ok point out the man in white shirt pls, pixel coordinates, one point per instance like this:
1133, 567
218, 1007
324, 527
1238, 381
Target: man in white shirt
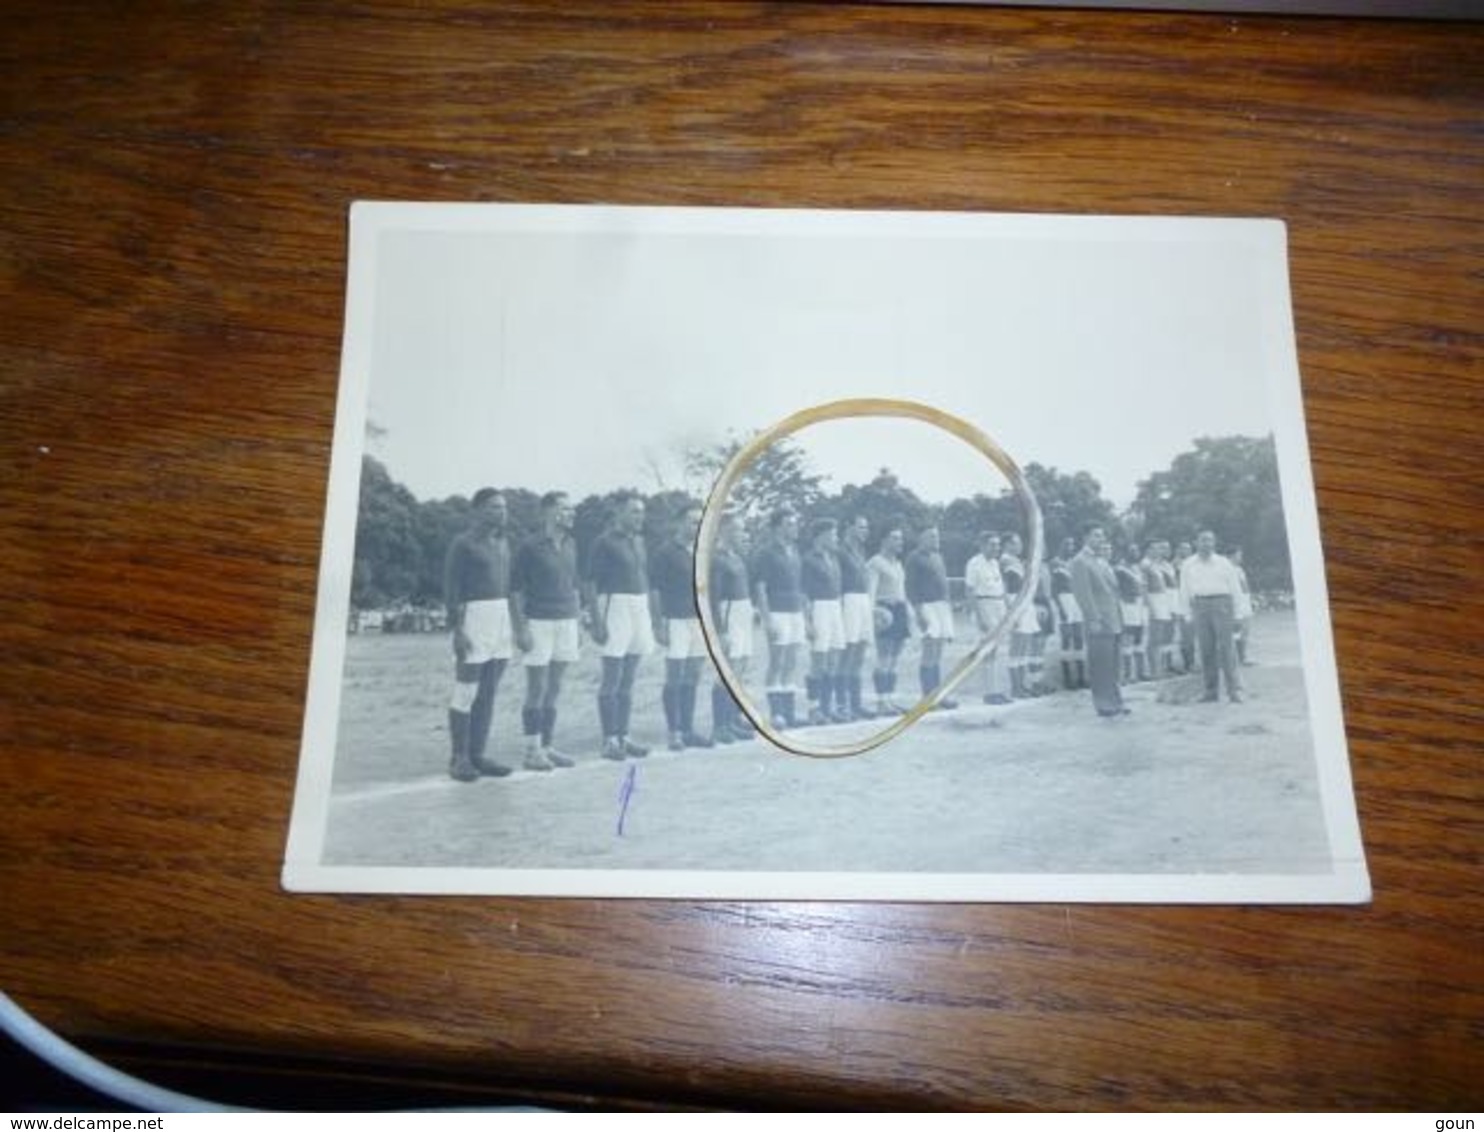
986, 588
1209, 583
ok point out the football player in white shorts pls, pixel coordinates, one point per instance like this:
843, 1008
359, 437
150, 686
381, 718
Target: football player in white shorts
544, 603
620, 621
672, 579
476, 593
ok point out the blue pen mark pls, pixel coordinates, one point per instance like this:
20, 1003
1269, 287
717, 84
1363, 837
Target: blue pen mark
625, 794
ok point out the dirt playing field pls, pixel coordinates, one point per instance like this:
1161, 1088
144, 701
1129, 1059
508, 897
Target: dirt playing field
1039, 786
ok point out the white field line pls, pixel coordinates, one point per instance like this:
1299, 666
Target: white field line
442, 782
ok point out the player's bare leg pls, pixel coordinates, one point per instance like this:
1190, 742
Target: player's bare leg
530, 717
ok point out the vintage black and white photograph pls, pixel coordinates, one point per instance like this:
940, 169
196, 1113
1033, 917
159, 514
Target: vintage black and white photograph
511, 690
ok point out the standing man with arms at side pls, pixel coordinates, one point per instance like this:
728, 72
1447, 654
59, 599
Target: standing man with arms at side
779, 596
986, 589
544, 603
823, 624
732, 613
1209, 583
927, 594
889, 600
621, 622
1096, 589
674, 596
476, 593
857, 612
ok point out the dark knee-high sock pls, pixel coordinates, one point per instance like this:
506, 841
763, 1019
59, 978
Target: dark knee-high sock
458, 733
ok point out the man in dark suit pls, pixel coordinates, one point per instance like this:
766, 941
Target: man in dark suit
1096, 589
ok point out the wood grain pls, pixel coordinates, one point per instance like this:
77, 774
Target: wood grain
176, 182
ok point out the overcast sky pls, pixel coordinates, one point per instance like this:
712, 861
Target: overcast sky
586, 350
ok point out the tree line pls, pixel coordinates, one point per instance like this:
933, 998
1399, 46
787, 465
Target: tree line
1227, 484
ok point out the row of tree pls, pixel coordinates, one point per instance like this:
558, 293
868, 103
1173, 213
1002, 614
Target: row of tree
1227, 484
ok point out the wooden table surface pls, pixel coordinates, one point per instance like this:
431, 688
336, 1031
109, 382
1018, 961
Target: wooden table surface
175, 190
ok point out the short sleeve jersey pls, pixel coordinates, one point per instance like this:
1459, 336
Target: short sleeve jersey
477, 569
820, 574
853, 578
545, 575
777, 570
927, 577
672, 574
618, 565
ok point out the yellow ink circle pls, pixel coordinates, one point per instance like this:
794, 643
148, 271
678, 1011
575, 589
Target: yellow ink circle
711, 515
